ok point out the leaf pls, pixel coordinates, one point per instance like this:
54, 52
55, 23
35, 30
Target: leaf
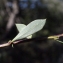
31, 28
29, 37
20, 26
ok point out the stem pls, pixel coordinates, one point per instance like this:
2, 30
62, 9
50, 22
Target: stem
55, 37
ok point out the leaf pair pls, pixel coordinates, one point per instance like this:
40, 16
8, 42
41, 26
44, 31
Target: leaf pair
31, 28
20, 27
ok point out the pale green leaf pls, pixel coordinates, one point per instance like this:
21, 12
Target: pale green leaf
20, 26
31, 28
29, 37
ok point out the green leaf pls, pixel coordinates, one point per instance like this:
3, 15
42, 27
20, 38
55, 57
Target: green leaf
20, 26
31, 28
29, 37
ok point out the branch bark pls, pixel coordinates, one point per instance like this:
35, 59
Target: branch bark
28, 40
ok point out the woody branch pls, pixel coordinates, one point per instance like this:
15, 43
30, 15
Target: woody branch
27, 40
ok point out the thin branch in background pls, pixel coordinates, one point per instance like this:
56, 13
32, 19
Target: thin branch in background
12, 16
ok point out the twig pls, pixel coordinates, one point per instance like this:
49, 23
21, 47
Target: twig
33, 39
55, 36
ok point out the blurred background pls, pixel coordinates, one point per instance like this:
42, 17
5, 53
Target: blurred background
25, 11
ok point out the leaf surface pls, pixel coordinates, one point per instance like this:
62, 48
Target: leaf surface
31, 28
20, 26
